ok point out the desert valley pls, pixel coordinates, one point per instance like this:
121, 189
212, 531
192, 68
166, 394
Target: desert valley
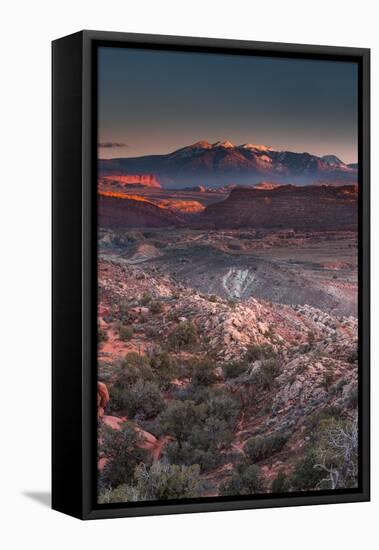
227, 315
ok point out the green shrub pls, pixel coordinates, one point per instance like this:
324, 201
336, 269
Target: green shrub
143, 399
328, 378
158, 482
260, 447
183, 336
257, 352
125, 332
314, 420
146, 299
223, 407
156, 307
281, 483
305, 475
134, 390
264, 376
180, 417
204, 430
203, 372
247, 480
353, 356
102, 335
234, 369
122, 452
151, 332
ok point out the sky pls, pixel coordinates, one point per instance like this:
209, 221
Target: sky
154, 102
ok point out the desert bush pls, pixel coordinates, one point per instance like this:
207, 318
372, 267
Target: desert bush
146, 299
223, 407
102, 335
264, 376
134, 389
352, 397
353, 356
257, 352
151, 332
123, 455
125, 332
143, 399
313, 421
247, 480
156, 307
180, 417
164, 367
183, 336
328, 378
258, 448
305, 475
188, 454
208, 431
160, 481
234, 369
203, 372
337, 453
202, 446
281, 483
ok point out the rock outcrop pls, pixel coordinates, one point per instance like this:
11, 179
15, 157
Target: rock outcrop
131, 180
322, 208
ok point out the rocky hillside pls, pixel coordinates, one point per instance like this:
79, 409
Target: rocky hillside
224, 398
120, 211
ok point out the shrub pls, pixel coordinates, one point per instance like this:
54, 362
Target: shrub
203, 372
247, 480
353, 356
327, 378
234, 369
203, 445
151, 332
125, 332
264, 376
102, 335
183, 336
258, 448
259, 351
224, 407
313, 421
180, 417
122, 453
207, 432
157, 482
281, 483
305, 475
164, 367
188, 454
143, 399
134, 389
156, 307
146, 298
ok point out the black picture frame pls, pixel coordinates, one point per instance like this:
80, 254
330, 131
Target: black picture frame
74, 153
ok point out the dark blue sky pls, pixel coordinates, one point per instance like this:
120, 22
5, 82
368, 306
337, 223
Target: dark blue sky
153, 102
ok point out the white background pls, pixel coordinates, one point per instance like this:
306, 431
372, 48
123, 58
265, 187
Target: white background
27, 29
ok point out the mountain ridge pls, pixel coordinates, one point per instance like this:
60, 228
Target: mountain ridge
222, 162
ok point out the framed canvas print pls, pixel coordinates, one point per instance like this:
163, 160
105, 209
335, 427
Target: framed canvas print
210, 275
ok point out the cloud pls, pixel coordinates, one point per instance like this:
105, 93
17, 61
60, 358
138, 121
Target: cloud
110, 145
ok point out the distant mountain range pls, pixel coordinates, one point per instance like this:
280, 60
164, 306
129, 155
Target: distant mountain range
223, 163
